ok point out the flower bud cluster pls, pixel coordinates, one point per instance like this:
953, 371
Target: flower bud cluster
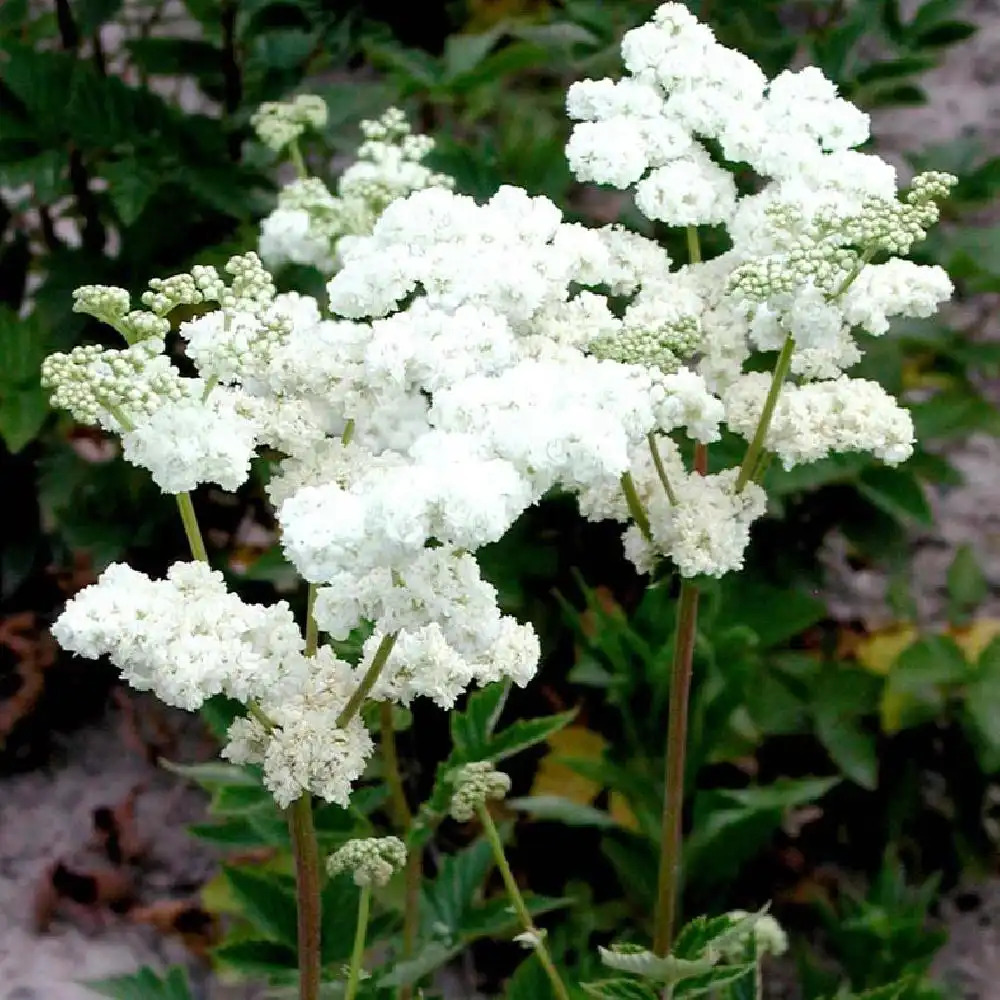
280, 123
111, 306
110, 388
664, 348
310, 220
372, 861
476, 783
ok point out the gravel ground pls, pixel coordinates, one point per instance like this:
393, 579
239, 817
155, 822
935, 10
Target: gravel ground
45, 815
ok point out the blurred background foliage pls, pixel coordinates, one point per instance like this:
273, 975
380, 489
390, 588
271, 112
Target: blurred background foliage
125, 153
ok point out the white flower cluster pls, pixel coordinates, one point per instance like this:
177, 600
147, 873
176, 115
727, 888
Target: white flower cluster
306, 745
482, 355
800, 244
817, 418
186, 638
310, 221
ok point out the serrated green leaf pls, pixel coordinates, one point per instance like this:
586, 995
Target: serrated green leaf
91, 14
620, 989
143, 985
667, 969
267, 901
451, 894
553, 808
774, 614
932, 660
525, 733
944, 33
897, 492
256, 957
45, 172
497, 918
850, 748
463, 53
954, 411
472, 727
23, 412
219, 713
529, 982
168, 56
340, 918
892, 69
905, 95
213, 774
713, 981
239, 800
235, 832
429, 958
967, 585
176, 985
130, 186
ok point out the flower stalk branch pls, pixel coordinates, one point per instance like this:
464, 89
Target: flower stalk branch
403, 819
305, 851
537, 937
362, 691
661, 471
753, 454
635, 507
191, 529
669, 876
358, 951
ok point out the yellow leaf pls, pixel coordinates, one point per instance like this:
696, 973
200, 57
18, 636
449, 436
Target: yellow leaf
217, 896
484, 14
973, 638
621, 812
555, 778
879, 650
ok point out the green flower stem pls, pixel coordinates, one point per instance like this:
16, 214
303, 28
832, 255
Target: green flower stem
390, 759
669, 877
312, 629
307, 895
295, 155
852, 275
752, 457
403, 818
694, 245
635, 506
660, 470
357, 699
412, 875
517, 900
345, 438
260, 715
191, 529
357, 953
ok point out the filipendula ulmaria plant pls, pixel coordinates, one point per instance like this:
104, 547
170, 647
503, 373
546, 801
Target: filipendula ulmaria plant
474, 358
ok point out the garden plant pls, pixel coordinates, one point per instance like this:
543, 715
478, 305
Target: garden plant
468, 361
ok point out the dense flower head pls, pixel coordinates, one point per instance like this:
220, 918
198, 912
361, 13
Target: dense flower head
306, 746
815, 419
186, 638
